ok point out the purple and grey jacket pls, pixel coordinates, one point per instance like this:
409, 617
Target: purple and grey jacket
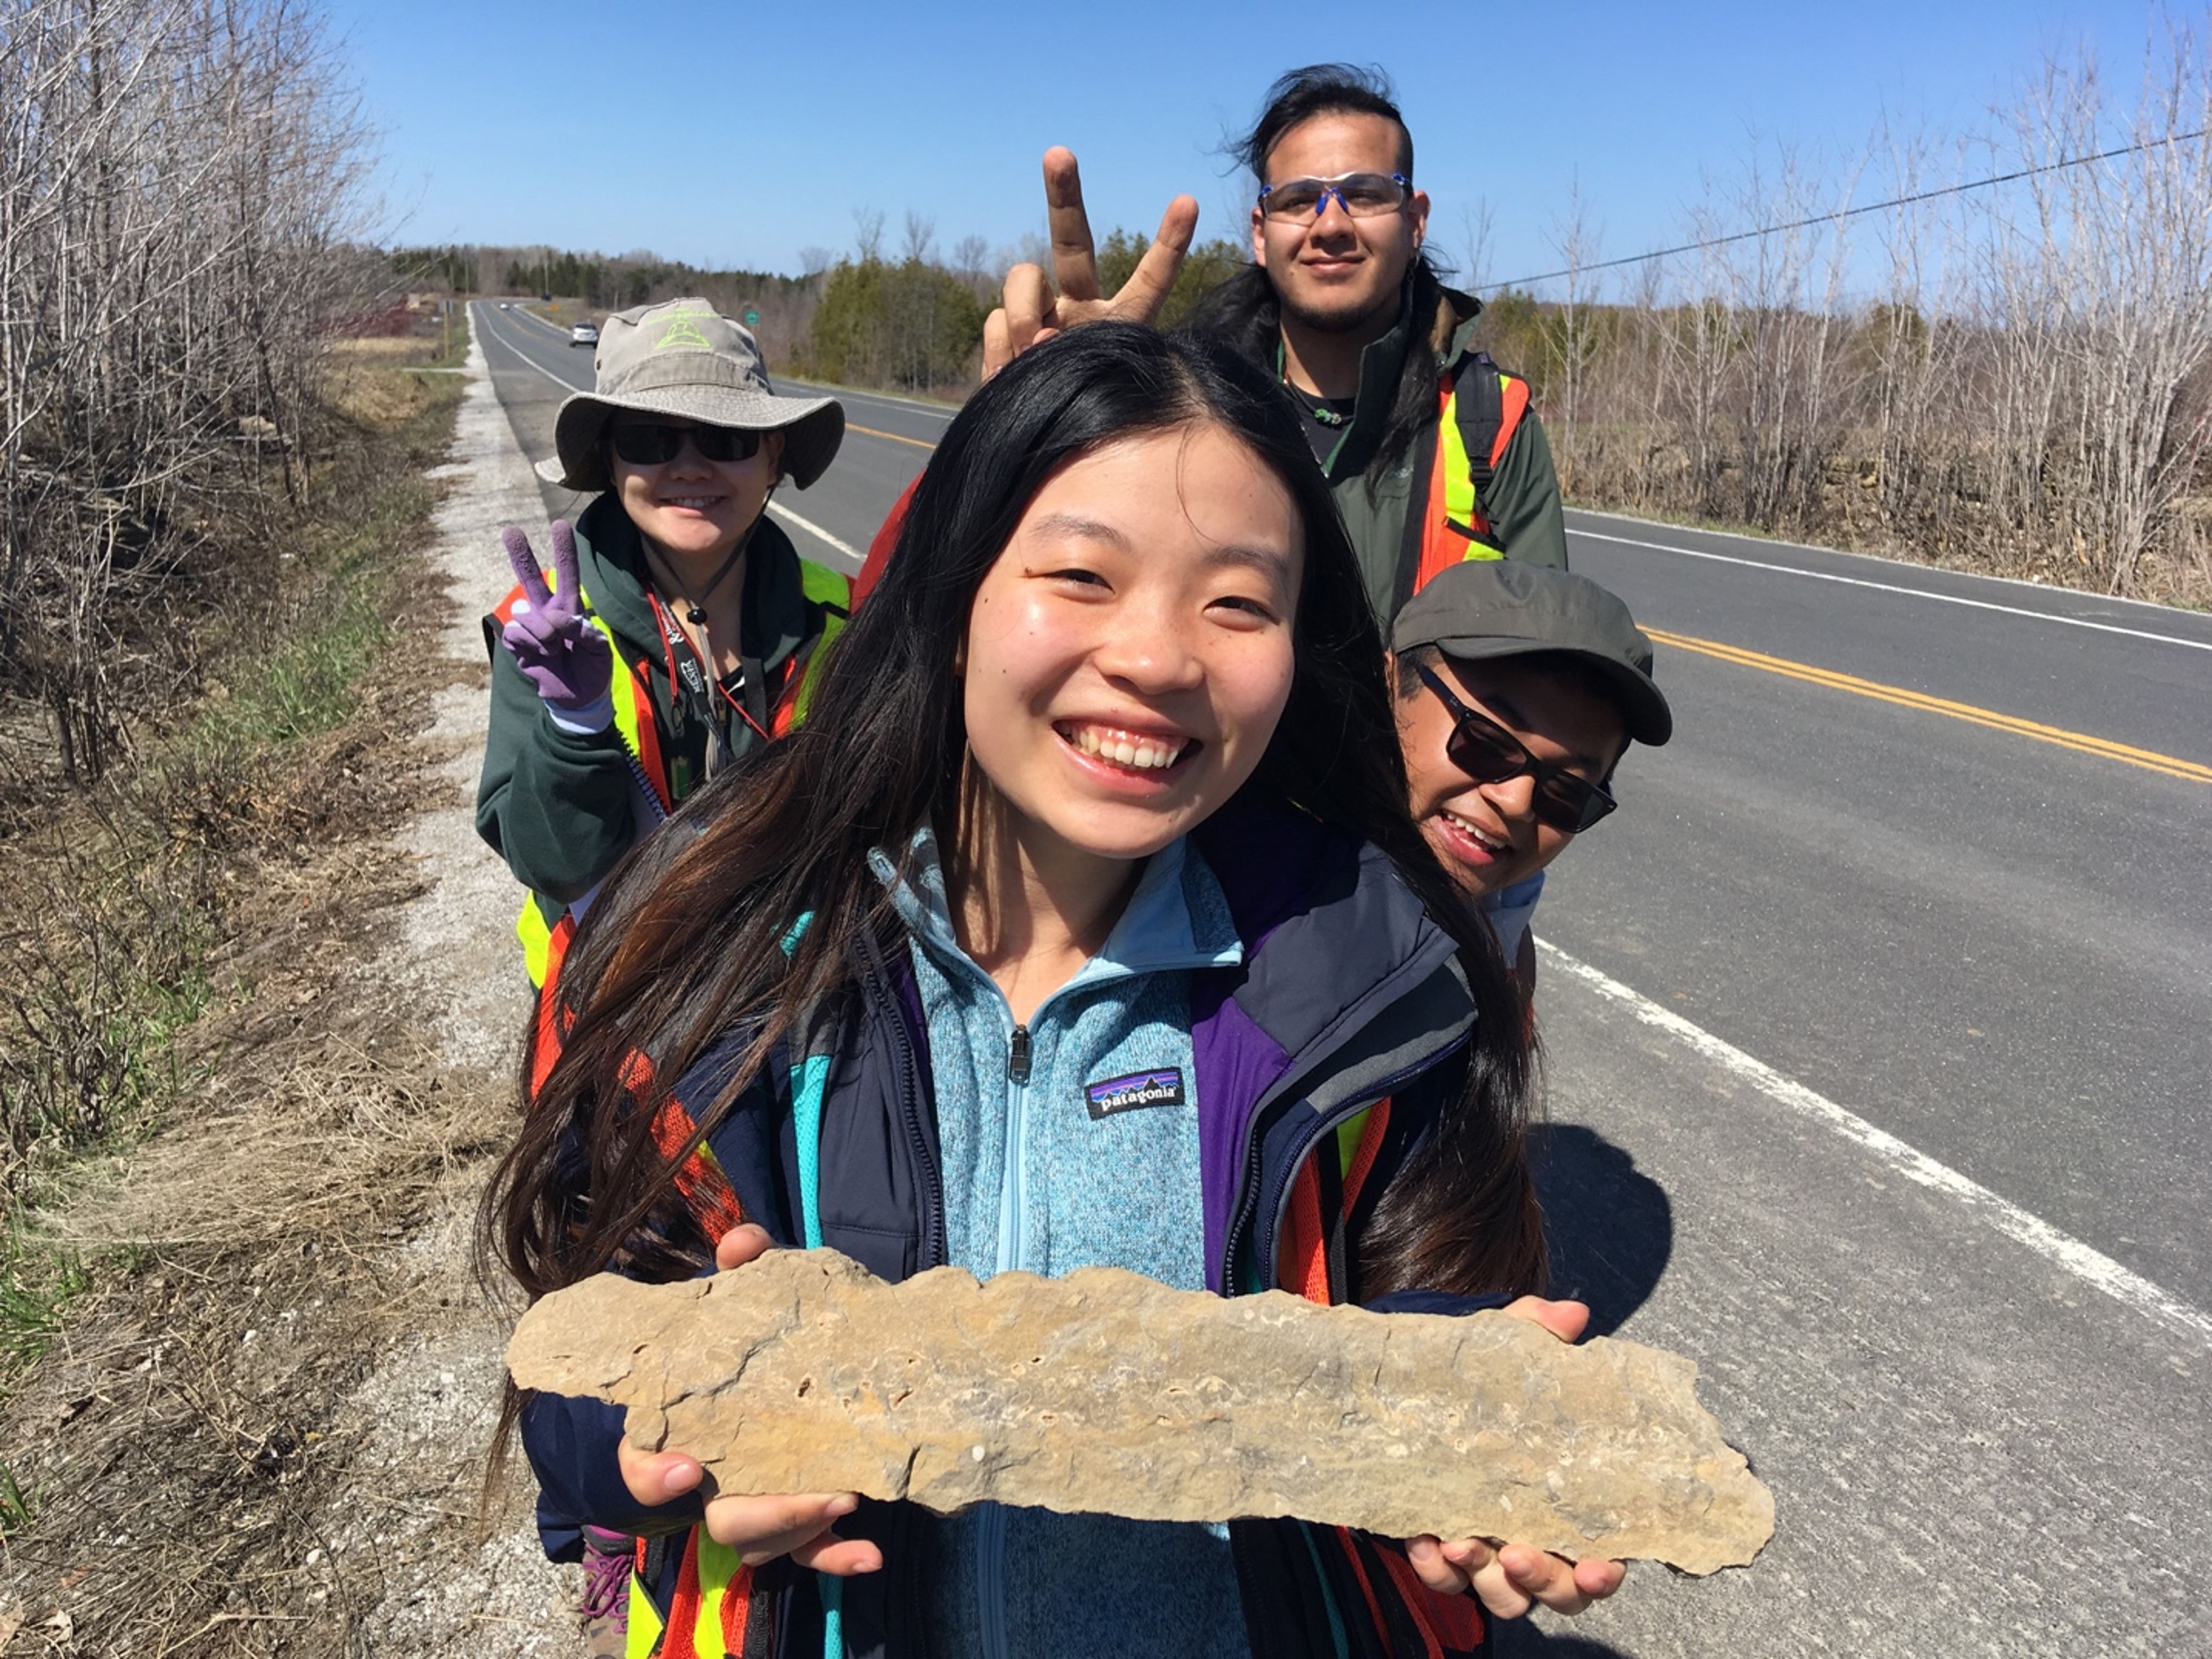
1348, 994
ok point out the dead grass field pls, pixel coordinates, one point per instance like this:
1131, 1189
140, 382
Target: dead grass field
221, 1452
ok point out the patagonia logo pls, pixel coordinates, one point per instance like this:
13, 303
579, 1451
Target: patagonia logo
1133, 1092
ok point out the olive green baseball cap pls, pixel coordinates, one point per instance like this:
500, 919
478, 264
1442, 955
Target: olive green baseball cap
1486, 608
682, 357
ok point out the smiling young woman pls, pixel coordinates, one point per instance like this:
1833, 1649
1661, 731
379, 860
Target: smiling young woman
1101, 786
679, 629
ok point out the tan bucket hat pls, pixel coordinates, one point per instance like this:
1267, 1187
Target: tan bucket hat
682, 357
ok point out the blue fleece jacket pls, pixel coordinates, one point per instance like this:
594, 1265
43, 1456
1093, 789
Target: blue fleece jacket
1068, 1142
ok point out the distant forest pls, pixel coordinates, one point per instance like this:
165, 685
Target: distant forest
907, 319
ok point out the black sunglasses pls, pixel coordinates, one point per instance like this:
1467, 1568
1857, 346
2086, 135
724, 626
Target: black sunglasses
1488, 753
650, 443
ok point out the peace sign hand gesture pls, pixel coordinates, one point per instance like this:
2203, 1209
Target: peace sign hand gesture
1031, 312
559, 649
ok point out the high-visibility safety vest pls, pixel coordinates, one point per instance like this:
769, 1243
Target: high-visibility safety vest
1479, 410
546, 930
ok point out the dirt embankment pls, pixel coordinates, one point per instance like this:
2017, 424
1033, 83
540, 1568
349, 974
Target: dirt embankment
264, 1432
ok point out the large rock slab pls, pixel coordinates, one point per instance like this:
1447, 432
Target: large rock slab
1106, 1391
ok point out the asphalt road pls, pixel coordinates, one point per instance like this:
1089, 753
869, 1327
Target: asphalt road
1878, 1025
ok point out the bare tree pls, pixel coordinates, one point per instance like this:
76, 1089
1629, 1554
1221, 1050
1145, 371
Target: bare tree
1572, 344
921, 238
1474, 226
868, 233
180, 190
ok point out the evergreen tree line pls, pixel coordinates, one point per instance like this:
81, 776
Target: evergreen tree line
909, 320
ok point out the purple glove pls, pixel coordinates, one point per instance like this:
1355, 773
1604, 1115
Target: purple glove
559, 649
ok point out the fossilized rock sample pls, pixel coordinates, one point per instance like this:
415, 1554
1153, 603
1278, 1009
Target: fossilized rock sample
1107, 1391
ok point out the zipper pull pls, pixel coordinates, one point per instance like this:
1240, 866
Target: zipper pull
1017, 1056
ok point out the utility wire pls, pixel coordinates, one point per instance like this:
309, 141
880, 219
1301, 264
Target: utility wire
1852, 213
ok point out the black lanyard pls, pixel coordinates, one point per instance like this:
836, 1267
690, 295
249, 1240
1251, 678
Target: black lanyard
689, 672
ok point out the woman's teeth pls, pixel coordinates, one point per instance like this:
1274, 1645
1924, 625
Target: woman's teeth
1482, 837
697, 503
1126, 748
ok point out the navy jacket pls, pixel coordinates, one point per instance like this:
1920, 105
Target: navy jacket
1348, 994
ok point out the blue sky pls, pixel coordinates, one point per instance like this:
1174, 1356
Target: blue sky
731, 134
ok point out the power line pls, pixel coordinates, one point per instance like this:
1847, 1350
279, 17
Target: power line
1852, 213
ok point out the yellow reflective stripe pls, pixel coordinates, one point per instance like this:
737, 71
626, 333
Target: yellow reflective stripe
1459, 475
824, 587
643, 1640
536, 937
629, 696
1459, 480
531, 927
831, 628
1347, 1141
717, 1564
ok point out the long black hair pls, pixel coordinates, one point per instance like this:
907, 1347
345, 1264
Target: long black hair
689, 940
1244, 312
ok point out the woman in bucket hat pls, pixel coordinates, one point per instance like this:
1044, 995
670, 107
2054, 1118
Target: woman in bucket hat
677, 631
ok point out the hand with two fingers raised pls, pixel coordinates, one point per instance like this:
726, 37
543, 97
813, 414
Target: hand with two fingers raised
1512, 1578
1031, 311
797, 1524
555, 644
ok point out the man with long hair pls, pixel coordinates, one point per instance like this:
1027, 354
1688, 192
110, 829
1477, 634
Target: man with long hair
1433, 453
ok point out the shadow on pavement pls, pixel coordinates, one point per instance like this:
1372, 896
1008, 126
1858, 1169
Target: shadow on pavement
1610, 1230
1512, 1638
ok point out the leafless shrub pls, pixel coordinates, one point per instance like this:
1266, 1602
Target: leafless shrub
2022, 380
178, 184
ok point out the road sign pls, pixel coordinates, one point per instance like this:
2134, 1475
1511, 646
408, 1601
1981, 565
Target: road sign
752, 317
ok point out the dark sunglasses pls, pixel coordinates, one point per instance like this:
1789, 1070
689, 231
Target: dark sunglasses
1488, 753
649, 443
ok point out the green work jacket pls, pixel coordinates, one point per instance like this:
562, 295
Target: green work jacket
1384, 519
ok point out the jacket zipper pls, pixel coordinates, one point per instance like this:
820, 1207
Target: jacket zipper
1248, 1185
990, 1519
1322, 1130
930, 1253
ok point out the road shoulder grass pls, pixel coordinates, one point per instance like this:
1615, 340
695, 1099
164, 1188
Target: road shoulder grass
217, 1220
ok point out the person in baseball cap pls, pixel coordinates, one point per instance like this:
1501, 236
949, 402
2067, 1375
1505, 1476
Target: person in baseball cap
1519, 690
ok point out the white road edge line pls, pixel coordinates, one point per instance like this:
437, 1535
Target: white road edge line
517, 351
2092, 1267
816, 531
1873, 561
1892, 588
938, 409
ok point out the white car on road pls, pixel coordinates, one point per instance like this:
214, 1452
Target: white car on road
583, 334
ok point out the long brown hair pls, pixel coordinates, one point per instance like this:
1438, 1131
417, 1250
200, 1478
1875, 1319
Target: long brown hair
697, 934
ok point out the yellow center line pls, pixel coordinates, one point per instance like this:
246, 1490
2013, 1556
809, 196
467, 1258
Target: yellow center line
2150, 760
895, 437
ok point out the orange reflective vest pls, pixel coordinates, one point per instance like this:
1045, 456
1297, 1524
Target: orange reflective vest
1480, 410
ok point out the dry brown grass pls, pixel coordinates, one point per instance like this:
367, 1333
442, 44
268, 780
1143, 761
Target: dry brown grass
189, 1439
203, 1462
